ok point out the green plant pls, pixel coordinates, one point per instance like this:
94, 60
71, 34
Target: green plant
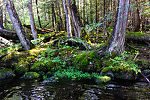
72, 73
121, 63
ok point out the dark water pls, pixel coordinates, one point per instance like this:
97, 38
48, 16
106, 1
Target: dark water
34, 90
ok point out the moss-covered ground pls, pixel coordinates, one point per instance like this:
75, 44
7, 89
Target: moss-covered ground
56, 57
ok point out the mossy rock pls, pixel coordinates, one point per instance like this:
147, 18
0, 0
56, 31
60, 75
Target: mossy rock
24, 64
11, 59
43, 65
87, 61
30, 76
21, 68
6, 74
128, 75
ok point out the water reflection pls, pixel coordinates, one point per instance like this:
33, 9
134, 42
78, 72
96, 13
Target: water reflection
34, 90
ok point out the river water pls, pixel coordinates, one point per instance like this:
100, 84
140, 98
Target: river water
65, 90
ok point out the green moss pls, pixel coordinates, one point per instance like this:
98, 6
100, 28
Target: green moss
137, 34
104, 79
43, 65
24, 64
86, 61
30, 75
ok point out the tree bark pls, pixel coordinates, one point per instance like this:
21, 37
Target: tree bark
91, 15
37, 10
17, 24
67, 19
116, 43
104, 6
34, 32
53, 16
60, 15
137, 18
1, 16
74, 18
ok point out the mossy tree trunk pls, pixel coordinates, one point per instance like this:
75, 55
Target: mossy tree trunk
117, 40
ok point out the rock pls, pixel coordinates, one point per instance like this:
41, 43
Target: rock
6, 74
30, 76
52, 79
129, 75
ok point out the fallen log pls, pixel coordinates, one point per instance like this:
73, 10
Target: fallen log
8, 34
5, 41
143, 38
39, 30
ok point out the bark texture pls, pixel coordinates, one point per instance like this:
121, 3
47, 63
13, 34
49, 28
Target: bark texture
34, 32
17, 24
116, 43
68, 23
74, 18
1, 16
37, 10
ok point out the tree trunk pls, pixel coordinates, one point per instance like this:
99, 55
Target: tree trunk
74, 18
104, 19
53, 16
60, 15
1, 16
23, 12
17, 24
137, 18
34, 32
116, 43
91, 15
67, 19
96, 19
37, 10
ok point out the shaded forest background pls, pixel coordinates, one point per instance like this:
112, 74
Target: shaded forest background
50, 14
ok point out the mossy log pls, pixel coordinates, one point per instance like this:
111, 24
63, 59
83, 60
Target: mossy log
48, 37
39, 30
78, 42
138, 37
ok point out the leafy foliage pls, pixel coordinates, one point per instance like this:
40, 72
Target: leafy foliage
121, 64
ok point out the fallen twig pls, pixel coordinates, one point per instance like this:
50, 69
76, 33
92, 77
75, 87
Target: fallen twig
145, 78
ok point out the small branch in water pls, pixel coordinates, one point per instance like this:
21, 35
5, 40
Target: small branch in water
145, 78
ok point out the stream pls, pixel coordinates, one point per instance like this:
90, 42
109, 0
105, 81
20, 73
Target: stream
40, 90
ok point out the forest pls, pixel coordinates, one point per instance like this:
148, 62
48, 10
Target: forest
74, 49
